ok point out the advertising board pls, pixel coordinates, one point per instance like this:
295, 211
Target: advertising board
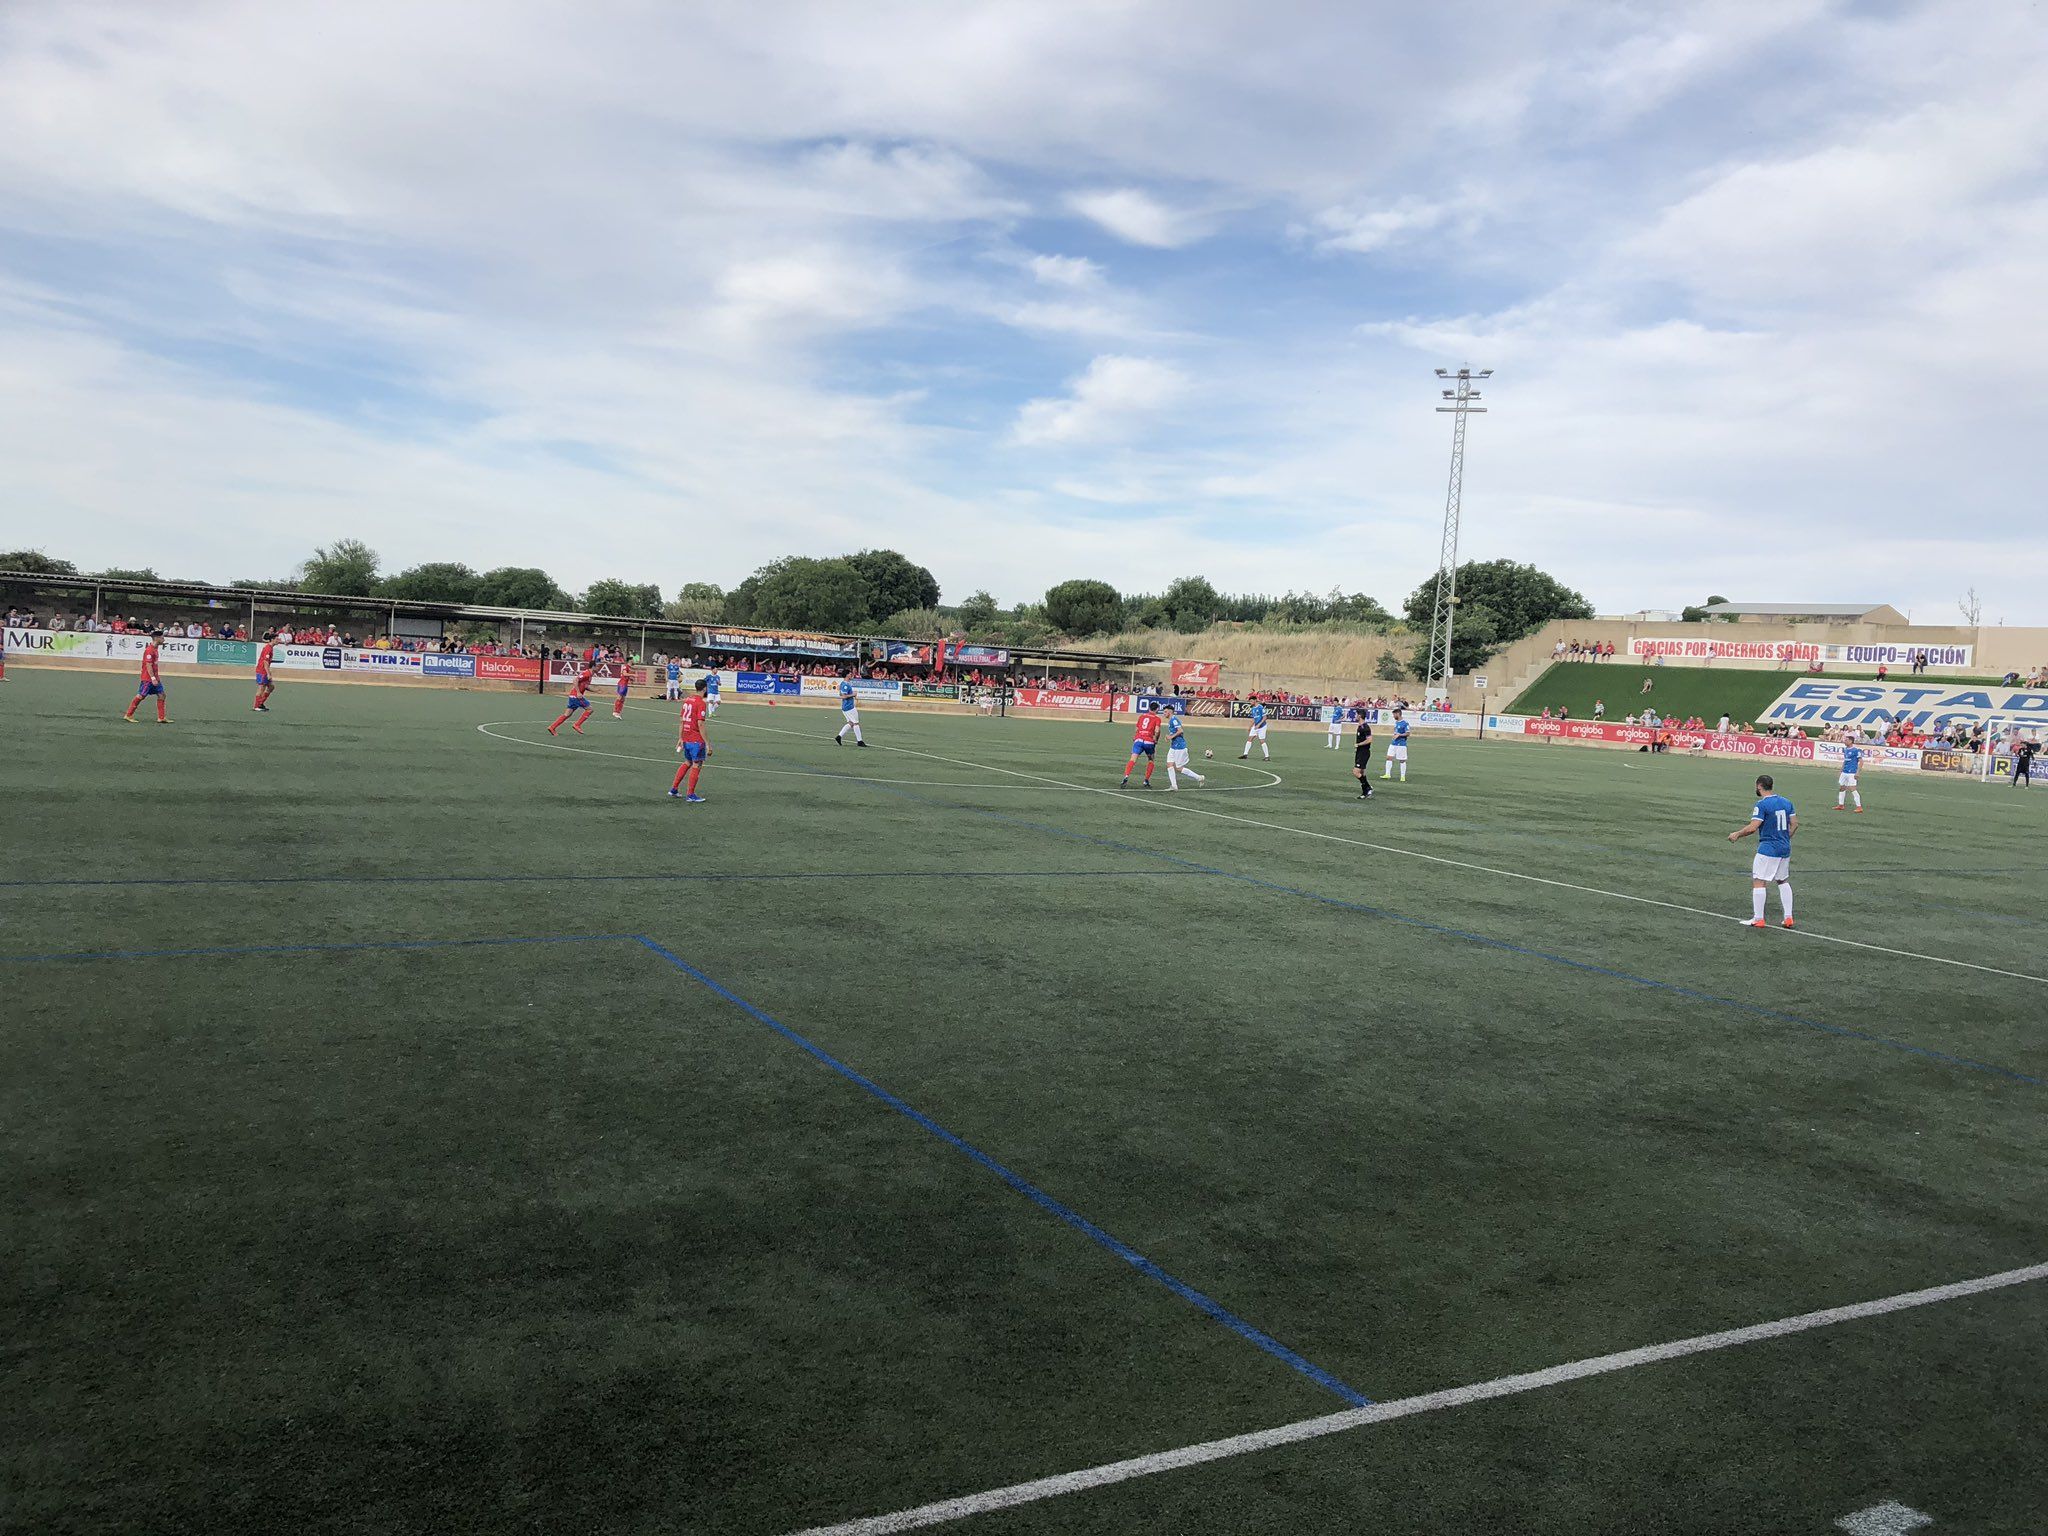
393, 663
437, 664
1688, 649
1816, 701
509, 669
1058, 698
764, 682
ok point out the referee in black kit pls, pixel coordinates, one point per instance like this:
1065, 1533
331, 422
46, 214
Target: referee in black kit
1361, 755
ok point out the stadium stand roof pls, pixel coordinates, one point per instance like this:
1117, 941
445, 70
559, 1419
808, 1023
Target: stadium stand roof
250, 601
1864, 613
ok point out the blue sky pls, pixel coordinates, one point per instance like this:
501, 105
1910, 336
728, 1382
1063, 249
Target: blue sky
1033, 290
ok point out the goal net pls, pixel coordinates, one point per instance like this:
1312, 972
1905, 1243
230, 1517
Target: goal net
2002, 739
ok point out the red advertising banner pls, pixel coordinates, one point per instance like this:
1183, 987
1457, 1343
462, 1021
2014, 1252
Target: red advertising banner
509, 669
1198, 674
1054, 698
1797, 748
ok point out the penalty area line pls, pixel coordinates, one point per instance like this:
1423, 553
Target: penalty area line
1103, 1476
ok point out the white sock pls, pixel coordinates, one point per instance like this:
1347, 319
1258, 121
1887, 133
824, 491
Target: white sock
1859, 798
856, 733
1840, 796
1756, 901
1266, 751
1387, 772
1171, 781
843, 730
1404, 773
1198, 778
1785, 898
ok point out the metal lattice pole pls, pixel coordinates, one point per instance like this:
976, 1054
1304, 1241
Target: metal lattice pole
1437, 682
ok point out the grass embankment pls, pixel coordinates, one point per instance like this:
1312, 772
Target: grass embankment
1708, 692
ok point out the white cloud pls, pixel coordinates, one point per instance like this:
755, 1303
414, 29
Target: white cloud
1139, 217
1110, 398
1066, 271
1361, 230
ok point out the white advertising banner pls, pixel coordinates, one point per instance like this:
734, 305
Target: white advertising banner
66, 643
1816, 701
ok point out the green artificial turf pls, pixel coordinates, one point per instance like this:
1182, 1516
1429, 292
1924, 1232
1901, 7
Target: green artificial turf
338, 1218
1709, 692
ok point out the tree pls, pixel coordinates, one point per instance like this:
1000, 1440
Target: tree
1390, 668
1191, 604
978, 612
345, 568
801, 593
894, 582
699, 602
520, 586
623, 599
1519, 598
36, 563
268, 584
129, 573
439, 581
1358, 608
915, 623
1475, 635
1698, 614
1083, 607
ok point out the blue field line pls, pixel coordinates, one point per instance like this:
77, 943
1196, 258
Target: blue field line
314, 949
1676, 989
852, 874
1023, 1186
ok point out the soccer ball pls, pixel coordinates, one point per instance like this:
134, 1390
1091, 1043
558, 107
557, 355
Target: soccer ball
1207, 752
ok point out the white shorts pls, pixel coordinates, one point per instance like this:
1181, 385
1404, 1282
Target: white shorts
1397, 754
1176, 757
1846, 780
711, 703
849, 717
1256, 733
1765, 867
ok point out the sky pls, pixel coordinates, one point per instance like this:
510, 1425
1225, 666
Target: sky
1031, 290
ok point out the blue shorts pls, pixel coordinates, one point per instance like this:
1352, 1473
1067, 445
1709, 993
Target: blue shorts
146, 689
1142, 748
262, 679
578, 702
622, 688
693, 751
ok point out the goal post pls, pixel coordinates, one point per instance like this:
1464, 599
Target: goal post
2001, 736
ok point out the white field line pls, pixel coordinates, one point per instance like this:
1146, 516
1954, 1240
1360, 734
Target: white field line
1379, 1413
1175, 804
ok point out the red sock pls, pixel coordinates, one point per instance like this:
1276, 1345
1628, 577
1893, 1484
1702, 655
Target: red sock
131, 711
1130, 768
678, 784
565, 714
159, 708
1148, 773
695, 769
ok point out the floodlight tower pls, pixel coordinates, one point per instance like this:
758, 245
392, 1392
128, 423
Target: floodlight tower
1438, 680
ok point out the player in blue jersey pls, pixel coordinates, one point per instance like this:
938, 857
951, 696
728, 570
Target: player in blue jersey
1852, 759
1256, 733
849, 715
1177, 752
711, 694
675, 680
1337, 716
1397, 750
1773, 821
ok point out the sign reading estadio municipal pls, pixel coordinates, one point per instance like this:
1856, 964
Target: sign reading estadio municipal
1823, 701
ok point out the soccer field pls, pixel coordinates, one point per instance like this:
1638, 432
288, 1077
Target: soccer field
412, 1123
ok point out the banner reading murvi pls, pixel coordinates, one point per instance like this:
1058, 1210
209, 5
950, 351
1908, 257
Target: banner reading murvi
1818, 701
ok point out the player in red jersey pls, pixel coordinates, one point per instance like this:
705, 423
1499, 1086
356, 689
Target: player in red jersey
625, 682
152, 683
579, 699
264, 686
1144, 746
691, 743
